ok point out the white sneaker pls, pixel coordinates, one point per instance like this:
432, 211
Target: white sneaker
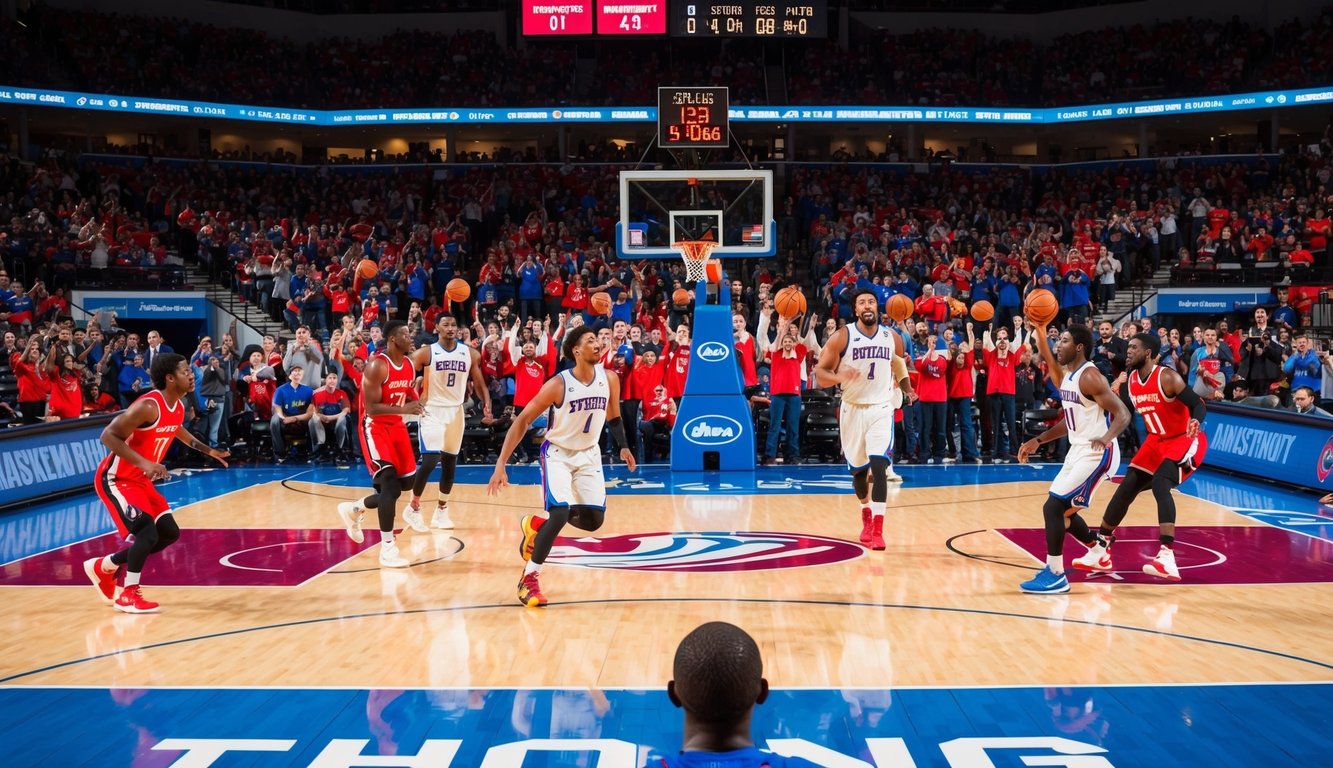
441, 518
413, 519
350, 512
892, 477
1163, 566
1097, 560
390, 557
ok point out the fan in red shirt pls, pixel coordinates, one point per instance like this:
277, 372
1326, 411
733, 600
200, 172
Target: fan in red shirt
961, 391
139, 438
745, 350
786, 364
933, 309
678, 363
659, 417
66, 391
34, 385
1173, 414
932, 389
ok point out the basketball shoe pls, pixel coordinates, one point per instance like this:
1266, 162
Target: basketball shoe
865, 525
105, 582
891, 476
1097, 560
350, 512
1164, 565
877, 533
529, 525
530, 592
131, 600
441, 517
1047, 582
412, 516
390, 557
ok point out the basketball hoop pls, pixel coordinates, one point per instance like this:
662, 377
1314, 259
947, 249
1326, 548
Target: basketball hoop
696, 254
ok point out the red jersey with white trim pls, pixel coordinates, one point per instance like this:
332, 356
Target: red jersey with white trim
396, 389
1165, 416
150, 441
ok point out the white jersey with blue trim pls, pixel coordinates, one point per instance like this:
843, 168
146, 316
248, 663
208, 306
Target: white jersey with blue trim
873, 357
576, 421
1085, 418
447, 375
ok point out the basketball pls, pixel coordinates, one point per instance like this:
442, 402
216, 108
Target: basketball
367, 269
982, 311
713, 270
600, 303
957, 308
1041, 306
789, 302
681, 297
458, 290
900, 307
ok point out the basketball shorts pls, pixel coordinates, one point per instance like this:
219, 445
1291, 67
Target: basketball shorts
572, 478
129, 501
1182, 450
1084, 470
866, 432
441, 429
387, 445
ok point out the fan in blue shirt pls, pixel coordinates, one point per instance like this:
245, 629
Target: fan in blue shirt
718, 680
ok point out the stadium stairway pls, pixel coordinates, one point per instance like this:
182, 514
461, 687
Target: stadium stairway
1128, 299
244, 311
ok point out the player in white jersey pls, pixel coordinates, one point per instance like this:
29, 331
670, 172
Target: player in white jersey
861, 357
446, 367
1093, 418
581, 400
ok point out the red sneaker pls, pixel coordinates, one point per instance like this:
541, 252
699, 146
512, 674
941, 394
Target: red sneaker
131, 600
529, 526
105, 582
865, 525
530, 592
877, 533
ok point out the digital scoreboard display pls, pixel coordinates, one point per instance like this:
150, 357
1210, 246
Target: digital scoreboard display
554, 17
631, 17
692, 118
771, 18
543, 18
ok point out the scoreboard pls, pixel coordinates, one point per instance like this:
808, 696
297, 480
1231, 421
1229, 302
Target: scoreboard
746, 18
580, 17
693, 118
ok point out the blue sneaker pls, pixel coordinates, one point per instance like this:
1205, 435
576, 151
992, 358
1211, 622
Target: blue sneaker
1046, 583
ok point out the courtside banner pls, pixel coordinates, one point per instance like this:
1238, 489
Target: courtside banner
465, 115
173, 305
1207, 301
49, 459
1271, 444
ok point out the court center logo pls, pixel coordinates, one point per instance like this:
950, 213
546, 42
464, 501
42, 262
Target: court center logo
704, 551
714, 352
1324, 466
711, 430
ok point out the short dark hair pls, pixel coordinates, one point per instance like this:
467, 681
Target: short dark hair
1081, 335
718, 673
864, 292
1309, 391
163, 365
1150, 342
573, 339
392, 326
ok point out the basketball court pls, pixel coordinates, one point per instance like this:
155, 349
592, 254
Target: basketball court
282, 643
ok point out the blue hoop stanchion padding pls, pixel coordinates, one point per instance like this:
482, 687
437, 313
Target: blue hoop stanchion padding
714, 415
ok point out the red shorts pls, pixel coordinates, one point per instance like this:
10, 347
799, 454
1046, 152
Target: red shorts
387, 445
129, 501
1182, 450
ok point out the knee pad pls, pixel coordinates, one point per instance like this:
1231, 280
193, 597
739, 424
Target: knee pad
390, 483
861, 482
1055, 508
879, 477
167, 529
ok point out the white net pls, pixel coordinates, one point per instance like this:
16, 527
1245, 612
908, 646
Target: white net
695, 254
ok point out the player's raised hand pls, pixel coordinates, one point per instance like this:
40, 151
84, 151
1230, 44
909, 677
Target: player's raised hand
628, 458
499, 481
221, 456
1027, 449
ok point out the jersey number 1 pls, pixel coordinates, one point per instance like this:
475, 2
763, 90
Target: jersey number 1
871, 373
588, 424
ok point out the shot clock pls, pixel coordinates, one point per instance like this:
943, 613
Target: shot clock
692, 118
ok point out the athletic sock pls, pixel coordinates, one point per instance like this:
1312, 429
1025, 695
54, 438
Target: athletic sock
132, 579
386, 538
877, 508
106, 566
1056, 563
532, 567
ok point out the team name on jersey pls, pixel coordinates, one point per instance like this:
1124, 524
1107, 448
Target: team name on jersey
872, 353
451, 365
1071, 397
395, 384
586, 404
1148, 399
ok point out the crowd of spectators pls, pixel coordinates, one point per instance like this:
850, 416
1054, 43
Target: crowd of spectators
534, 240
172, 58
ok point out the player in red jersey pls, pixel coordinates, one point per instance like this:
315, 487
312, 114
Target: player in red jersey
1176, 444
138, 439
387, 395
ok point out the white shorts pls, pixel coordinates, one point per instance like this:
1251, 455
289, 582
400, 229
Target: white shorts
866, 432
441, 429
572, 478
1083, 471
